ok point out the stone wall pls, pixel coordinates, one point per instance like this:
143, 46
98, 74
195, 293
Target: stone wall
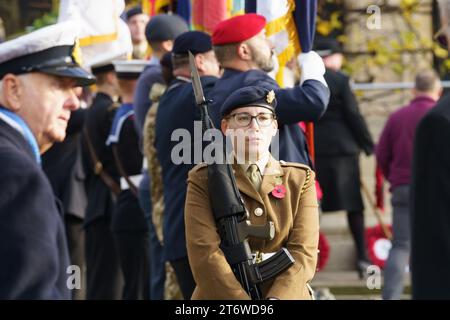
393, 31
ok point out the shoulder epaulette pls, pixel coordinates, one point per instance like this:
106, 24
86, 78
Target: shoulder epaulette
301, 166
199, 166
294, 164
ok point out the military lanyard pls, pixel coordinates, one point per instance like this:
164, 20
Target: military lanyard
17, 123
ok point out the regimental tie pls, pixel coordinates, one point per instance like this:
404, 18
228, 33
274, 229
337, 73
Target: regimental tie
255, 176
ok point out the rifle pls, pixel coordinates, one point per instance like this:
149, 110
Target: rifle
231, 215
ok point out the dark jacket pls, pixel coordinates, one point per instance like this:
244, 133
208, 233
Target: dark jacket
33, 249
127, 214
63, 167
98, 123
152, 74
301, 103
177, 110
430, 205
342, 130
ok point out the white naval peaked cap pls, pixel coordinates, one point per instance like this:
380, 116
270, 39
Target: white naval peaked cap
129, 69
104, 62
50, 50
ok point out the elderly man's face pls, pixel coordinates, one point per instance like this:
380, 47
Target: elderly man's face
137, 24
45, 103
252, 141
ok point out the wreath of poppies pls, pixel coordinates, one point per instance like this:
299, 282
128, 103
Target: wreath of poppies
324, 252
378, 245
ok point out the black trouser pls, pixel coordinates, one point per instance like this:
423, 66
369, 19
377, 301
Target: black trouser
356, 223
184, 276
75, 242
104, 279
135, 263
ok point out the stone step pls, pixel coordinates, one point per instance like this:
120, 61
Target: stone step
342, 256
346, 285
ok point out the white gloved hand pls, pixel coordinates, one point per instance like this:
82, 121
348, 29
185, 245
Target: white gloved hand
312, 67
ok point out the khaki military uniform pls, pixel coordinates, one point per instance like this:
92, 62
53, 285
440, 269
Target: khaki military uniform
296, 221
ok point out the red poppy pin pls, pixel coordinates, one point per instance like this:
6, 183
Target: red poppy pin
279, 191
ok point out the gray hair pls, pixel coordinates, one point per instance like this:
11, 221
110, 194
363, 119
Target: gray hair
23, 77
427, 81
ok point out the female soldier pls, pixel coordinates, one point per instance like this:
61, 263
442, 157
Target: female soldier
272, 191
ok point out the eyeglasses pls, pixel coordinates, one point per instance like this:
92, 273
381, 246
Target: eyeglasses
244, 119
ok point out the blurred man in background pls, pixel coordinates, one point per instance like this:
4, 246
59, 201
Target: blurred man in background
160, 33
394, 156
137, 20
104, 279
179, 100
340, 136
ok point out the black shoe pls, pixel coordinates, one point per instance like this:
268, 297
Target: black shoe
361, 268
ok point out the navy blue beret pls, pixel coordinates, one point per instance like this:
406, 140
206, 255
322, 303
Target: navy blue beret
164, 27
194, 41
133, 11
249, 96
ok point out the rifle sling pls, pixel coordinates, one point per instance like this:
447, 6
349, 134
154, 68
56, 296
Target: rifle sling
98, 166
133, 187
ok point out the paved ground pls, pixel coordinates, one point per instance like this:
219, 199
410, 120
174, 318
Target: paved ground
346, 285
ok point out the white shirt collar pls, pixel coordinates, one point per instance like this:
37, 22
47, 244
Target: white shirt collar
261, 163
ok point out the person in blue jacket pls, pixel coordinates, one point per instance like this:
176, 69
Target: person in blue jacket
38, 76
160, 33
246, 56
178, 110
128, 223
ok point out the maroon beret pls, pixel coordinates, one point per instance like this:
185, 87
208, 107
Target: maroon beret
238, 29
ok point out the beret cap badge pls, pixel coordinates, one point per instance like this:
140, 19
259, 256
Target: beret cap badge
270, 96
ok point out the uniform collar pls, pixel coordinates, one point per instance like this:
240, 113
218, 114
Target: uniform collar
423, 98
184, 79
228, 72
122, 114
19, 124
261, 164
271, 177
